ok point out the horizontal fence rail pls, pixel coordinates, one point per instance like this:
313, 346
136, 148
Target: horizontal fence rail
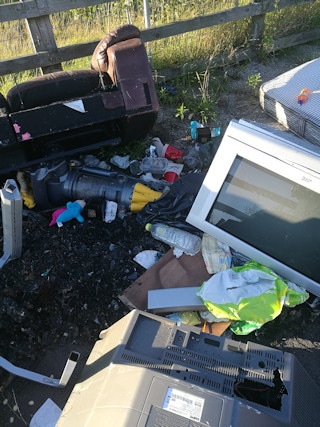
49, 57
35, 8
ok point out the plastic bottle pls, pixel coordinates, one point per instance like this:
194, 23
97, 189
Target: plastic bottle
172, 236
193, 129
304, 95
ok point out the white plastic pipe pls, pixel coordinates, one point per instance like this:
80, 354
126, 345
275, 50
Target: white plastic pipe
33, 376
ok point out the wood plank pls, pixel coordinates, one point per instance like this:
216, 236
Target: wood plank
33, 8
257, 29
46, 59
296, 39
211, 20
43, 40
81, 50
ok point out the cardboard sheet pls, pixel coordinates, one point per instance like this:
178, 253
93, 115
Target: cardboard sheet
168, 272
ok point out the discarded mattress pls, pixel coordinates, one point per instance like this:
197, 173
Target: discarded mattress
278, 98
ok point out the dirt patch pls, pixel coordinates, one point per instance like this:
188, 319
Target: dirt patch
64, 289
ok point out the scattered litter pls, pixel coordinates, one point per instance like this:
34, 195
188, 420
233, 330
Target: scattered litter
135, 167
216, 255
104, 165
147, 258
47, 415
91, 160
215, 132
154, 165
187, 317
110, 211
121, 162
194, 126
159, 146
249, 295
168, 272
55, 215
182, 240
171, 153
208, 150
153, 151
204, 134
172, 172
73, 210
192, 159
210, 318
174, 205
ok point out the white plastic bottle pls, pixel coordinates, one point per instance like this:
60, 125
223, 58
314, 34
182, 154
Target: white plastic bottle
174, 237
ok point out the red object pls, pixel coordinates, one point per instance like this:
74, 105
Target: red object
171, 153
171, 176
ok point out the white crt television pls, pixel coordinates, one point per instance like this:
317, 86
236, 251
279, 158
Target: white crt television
261, 196
147, 371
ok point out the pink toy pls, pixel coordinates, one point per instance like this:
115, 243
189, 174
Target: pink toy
55, 215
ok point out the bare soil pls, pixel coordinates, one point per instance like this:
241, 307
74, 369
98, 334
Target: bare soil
64, 289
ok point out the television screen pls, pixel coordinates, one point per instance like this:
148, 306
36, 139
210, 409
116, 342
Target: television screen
261, 196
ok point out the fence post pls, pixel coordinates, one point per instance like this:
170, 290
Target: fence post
257, 27
42, 36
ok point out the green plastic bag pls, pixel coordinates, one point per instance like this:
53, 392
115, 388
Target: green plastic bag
250, 296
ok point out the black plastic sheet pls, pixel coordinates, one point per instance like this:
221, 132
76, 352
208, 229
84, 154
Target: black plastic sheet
172, 207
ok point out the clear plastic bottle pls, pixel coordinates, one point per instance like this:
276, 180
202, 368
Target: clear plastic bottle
174, 237
303, 96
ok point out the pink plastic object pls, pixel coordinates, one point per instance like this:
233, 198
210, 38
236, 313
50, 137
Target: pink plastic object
55, 215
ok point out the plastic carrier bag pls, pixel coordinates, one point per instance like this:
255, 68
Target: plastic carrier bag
249, 295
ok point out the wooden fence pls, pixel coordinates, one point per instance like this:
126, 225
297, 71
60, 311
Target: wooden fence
48, 57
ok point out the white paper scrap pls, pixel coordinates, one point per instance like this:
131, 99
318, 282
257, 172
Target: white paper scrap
47, 415
76, 105
147, 258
